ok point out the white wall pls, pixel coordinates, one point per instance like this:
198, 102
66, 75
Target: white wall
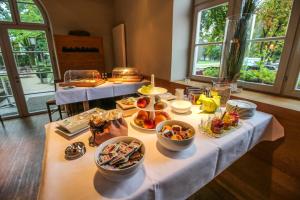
181, 38
148, 25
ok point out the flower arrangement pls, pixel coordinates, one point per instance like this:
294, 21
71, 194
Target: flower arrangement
233, 61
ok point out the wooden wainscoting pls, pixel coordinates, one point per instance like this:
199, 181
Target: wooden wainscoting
271, 170
79, 52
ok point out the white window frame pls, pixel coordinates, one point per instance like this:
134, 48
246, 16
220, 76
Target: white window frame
199, 8
282, 76
293, 71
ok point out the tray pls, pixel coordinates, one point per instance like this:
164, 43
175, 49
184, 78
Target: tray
82, 83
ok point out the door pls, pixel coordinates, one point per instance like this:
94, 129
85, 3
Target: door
8, 105
26, 64
32, 68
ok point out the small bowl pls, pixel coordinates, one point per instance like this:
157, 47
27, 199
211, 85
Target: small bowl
118, 174
181, 106
174, 145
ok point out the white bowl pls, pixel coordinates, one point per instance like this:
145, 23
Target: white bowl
118, 174
174, 145
181, 106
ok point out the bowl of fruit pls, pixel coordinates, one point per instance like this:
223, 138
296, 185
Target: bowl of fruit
175, 135
219, 126
144, 103
147, 120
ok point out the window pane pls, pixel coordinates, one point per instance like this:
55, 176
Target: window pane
30, 50
272, 18
211, 24
7, 101
5, 11
262, 61
29, 12
207, 60
298, 83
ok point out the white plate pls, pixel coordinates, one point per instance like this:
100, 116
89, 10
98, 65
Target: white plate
154, 91
242, 104
137, 126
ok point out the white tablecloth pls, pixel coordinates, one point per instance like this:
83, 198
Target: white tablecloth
63, 96
165, 174
106, 90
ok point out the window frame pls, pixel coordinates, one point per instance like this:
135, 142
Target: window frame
279, 85
197, 9
16, 19
293, 71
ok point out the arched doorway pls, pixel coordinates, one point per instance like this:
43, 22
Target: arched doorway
27, 65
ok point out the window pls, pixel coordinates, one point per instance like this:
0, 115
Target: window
297, 87
209, 40
5, 11
266, 62
29, 12
27, 66
262, 61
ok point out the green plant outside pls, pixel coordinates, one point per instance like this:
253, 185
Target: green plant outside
263, 75
211, 71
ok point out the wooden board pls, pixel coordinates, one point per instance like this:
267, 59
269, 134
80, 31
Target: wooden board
137, 79
82, 84
79, 52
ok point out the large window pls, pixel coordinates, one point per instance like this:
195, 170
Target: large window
27, 68
266, 62
262, 61
209, 40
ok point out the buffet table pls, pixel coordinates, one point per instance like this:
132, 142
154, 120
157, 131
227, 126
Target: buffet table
85, 94
164, 175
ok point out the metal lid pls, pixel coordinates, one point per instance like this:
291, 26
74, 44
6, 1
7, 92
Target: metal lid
75, 150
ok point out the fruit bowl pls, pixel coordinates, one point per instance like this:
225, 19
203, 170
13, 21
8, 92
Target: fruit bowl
151, 104
119, 172
175, 144
145, 120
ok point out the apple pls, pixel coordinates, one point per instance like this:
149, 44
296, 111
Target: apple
142, 115
149, 124
159, 106
163, 113
159, 118
141, 103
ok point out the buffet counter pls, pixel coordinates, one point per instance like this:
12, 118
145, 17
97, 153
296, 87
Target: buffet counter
64, 95
164, 175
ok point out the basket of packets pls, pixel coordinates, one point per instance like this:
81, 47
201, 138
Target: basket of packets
107, 125
120, 157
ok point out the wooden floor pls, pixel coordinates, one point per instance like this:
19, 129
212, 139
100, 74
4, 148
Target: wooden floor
21, 154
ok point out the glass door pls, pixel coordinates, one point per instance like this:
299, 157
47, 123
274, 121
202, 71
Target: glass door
7, 101
30, 52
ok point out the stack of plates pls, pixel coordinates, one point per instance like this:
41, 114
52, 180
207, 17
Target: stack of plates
245, 109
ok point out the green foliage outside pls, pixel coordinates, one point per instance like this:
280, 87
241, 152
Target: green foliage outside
30, 47
272, 17
211, 71
29, 12
5, 14
212, 26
